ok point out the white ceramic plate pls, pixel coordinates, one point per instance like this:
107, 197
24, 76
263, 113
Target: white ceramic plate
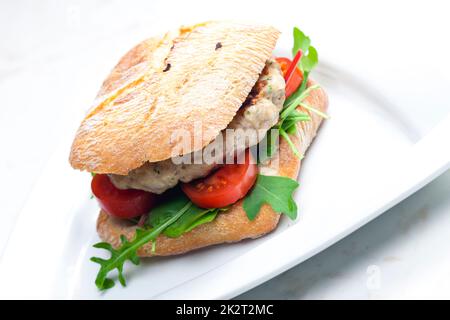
366, 158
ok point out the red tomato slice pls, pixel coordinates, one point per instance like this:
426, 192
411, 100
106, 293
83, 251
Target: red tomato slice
296, 78
225, 186
119, 203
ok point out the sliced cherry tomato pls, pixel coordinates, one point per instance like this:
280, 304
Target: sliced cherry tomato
119, 203
296, 78
225, 186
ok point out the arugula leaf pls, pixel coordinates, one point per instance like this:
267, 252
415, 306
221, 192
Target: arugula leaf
275, 191
207, 217
289, 123
192, 218
301, 41
174, 202
291, 104
128, 251
291, 144
307, 63
309, 60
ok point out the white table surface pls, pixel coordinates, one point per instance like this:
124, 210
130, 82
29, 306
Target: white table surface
51, 64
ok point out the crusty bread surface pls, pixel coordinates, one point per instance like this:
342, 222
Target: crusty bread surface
191, 79
232, 225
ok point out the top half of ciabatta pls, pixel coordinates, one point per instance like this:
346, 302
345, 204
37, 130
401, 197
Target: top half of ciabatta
196, 76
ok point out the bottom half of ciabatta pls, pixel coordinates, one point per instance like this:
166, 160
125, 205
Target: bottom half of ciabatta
232, 225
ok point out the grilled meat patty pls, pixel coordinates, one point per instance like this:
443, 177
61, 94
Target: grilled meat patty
257, 115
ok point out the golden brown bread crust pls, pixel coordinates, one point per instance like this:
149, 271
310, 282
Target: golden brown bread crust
233, 225
162, 85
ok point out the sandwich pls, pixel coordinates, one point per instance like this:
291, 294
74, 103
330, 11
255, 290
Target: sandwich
195, 139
